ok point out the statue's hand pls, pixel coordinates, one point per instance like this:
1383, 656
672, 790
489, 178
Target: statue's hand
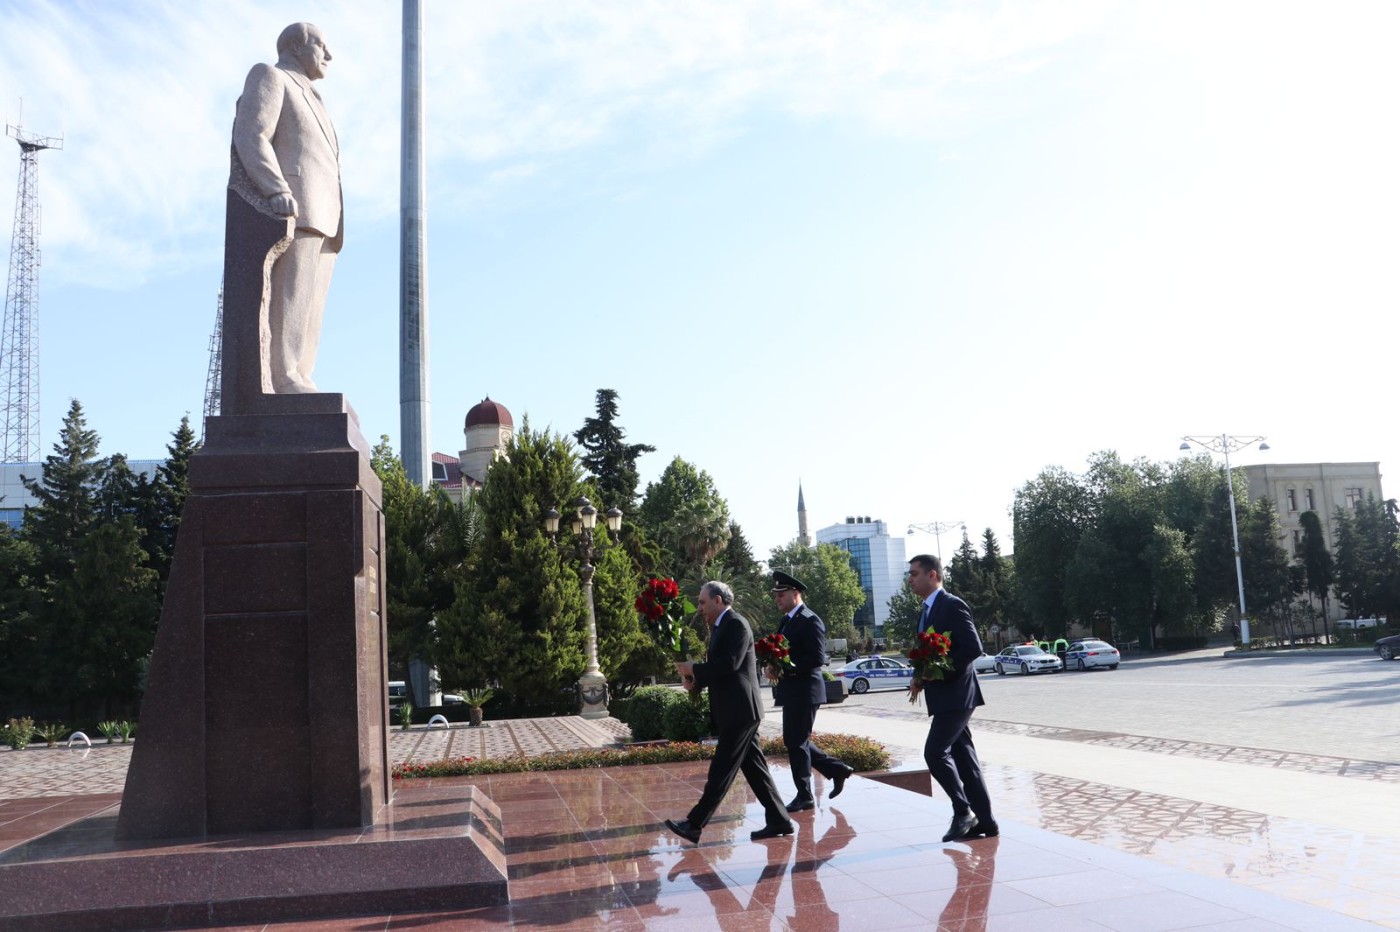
283, 205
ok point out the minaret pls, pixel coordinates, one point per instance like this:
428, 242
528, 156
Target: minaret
803, 537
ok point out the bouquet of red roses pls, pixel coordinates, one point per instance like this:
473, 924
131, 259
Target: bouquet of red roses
663, 610
929, 655
773, 650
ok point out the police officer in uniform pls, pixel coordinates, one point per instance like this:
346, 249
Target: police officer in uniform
801, 690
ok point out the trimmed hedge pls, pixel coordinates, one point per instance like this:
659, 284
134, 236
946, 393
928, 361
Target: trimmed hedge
646, 711
685, 719
861, 753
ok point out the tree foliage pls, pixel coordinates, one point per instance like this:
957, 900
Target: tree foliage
905, 607
611, 461
1139, 550
1317, 562
519, 619
686, 517
1368, 559
91, 605
428, 539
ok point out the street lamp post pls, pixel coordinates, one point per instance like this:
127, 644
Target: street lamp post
1225, 444
935, 528
592, 686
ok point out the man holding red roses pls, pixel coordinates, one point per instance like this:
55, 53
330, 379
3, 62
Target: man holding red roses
800, 689
949, 752
730, 673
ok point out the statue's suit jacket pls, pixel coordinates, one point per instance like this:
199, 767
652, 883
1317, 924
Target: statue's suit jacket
730, 672
806, 636
286, 144
959, 689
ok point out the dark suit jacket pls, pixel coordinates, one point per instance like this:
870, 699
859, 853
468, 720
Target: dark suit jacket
730, 673
806, 634
958, 690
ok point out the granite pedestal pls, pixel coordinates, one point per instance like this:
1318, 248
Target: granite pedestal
265, 707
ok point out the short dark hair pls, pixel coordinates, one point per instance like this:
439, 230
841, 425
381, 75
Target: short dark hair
928, 563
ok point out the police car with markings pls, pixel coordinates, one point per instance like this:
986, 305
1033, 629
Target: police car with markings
1090, 653
1026, 659
861, 676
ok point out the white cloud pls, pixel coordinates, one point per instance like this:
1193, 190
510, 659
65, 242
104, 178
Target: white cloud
144, 93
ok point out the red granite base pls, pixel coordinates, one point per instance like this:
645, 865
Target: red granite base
915, 781
438, 849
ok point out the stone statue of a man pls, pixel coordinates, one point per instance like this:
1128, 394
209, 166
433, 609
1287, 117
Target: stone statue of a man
286, 162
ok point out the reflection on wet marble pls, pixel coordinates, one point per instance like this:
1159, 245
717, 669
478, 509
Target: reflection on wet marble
587, 850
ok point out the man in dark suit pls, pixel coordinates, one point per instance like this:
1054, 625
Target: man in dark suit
730, 673
801, 690
949, 752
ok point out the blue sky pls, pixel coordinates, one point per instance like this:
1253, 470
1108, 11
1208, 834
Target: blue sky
908, 253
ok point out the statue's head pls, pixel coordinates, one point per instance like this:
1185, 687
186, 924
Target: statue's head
301, 46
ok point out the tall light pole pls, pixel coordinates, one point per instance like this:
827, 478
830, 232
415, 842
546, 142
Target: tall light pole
936, 528
592, 686
1226, 444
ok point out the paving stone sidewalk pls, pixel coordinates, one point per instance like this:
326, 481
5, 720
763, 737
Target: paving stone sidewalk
82, 771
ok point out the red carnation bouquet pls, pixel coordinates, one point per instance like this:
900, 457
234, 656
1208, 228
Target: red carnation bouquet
929, 655
663, 610
774, 651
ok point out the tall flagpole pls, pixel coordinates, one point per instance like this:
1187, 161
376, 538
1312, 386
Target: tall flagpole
413, 261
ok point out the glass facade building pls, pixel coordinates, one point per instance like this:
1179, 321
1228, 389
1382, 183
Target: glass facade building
877, 558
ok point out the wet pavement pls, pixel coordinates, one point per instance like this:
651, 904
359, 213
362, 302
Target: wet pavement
1099, 831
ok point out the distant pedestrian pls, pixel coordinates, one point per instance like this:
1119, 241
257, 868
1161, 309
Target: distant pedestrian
730, 673
800, 691
949, 752
1235, 631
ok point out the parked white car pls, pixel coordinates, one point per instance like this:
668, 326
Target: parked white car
1026, 659
861, 676
1090, 653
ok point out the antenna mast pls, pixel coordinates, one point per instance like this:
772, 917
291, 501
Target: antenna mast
212, 396
19, 340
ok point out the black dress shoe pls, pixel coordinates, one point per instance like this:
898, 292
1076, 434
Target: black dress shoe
984, 830
838, 782
769, 831
961, 827
684, 829
801, 804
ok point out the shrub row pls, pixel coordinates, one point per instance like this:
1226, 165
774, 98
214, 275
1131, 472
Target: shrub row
655, 712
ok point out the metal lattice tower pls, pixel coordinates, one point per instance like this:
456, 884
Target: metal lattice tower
19, 342
212, 398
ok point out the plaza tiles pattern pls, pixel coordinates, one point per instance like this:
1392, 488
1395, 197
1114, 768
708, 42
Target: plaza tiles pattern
1324, 764
83, 771
1257, 757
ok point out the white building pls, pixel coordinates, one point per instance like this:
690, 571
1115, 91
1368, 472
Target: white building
1321, 487
488, 429
14, 497
878, 559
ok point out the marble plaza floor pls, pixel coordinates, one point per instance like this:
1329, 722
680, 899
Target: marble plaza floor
1093, 837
